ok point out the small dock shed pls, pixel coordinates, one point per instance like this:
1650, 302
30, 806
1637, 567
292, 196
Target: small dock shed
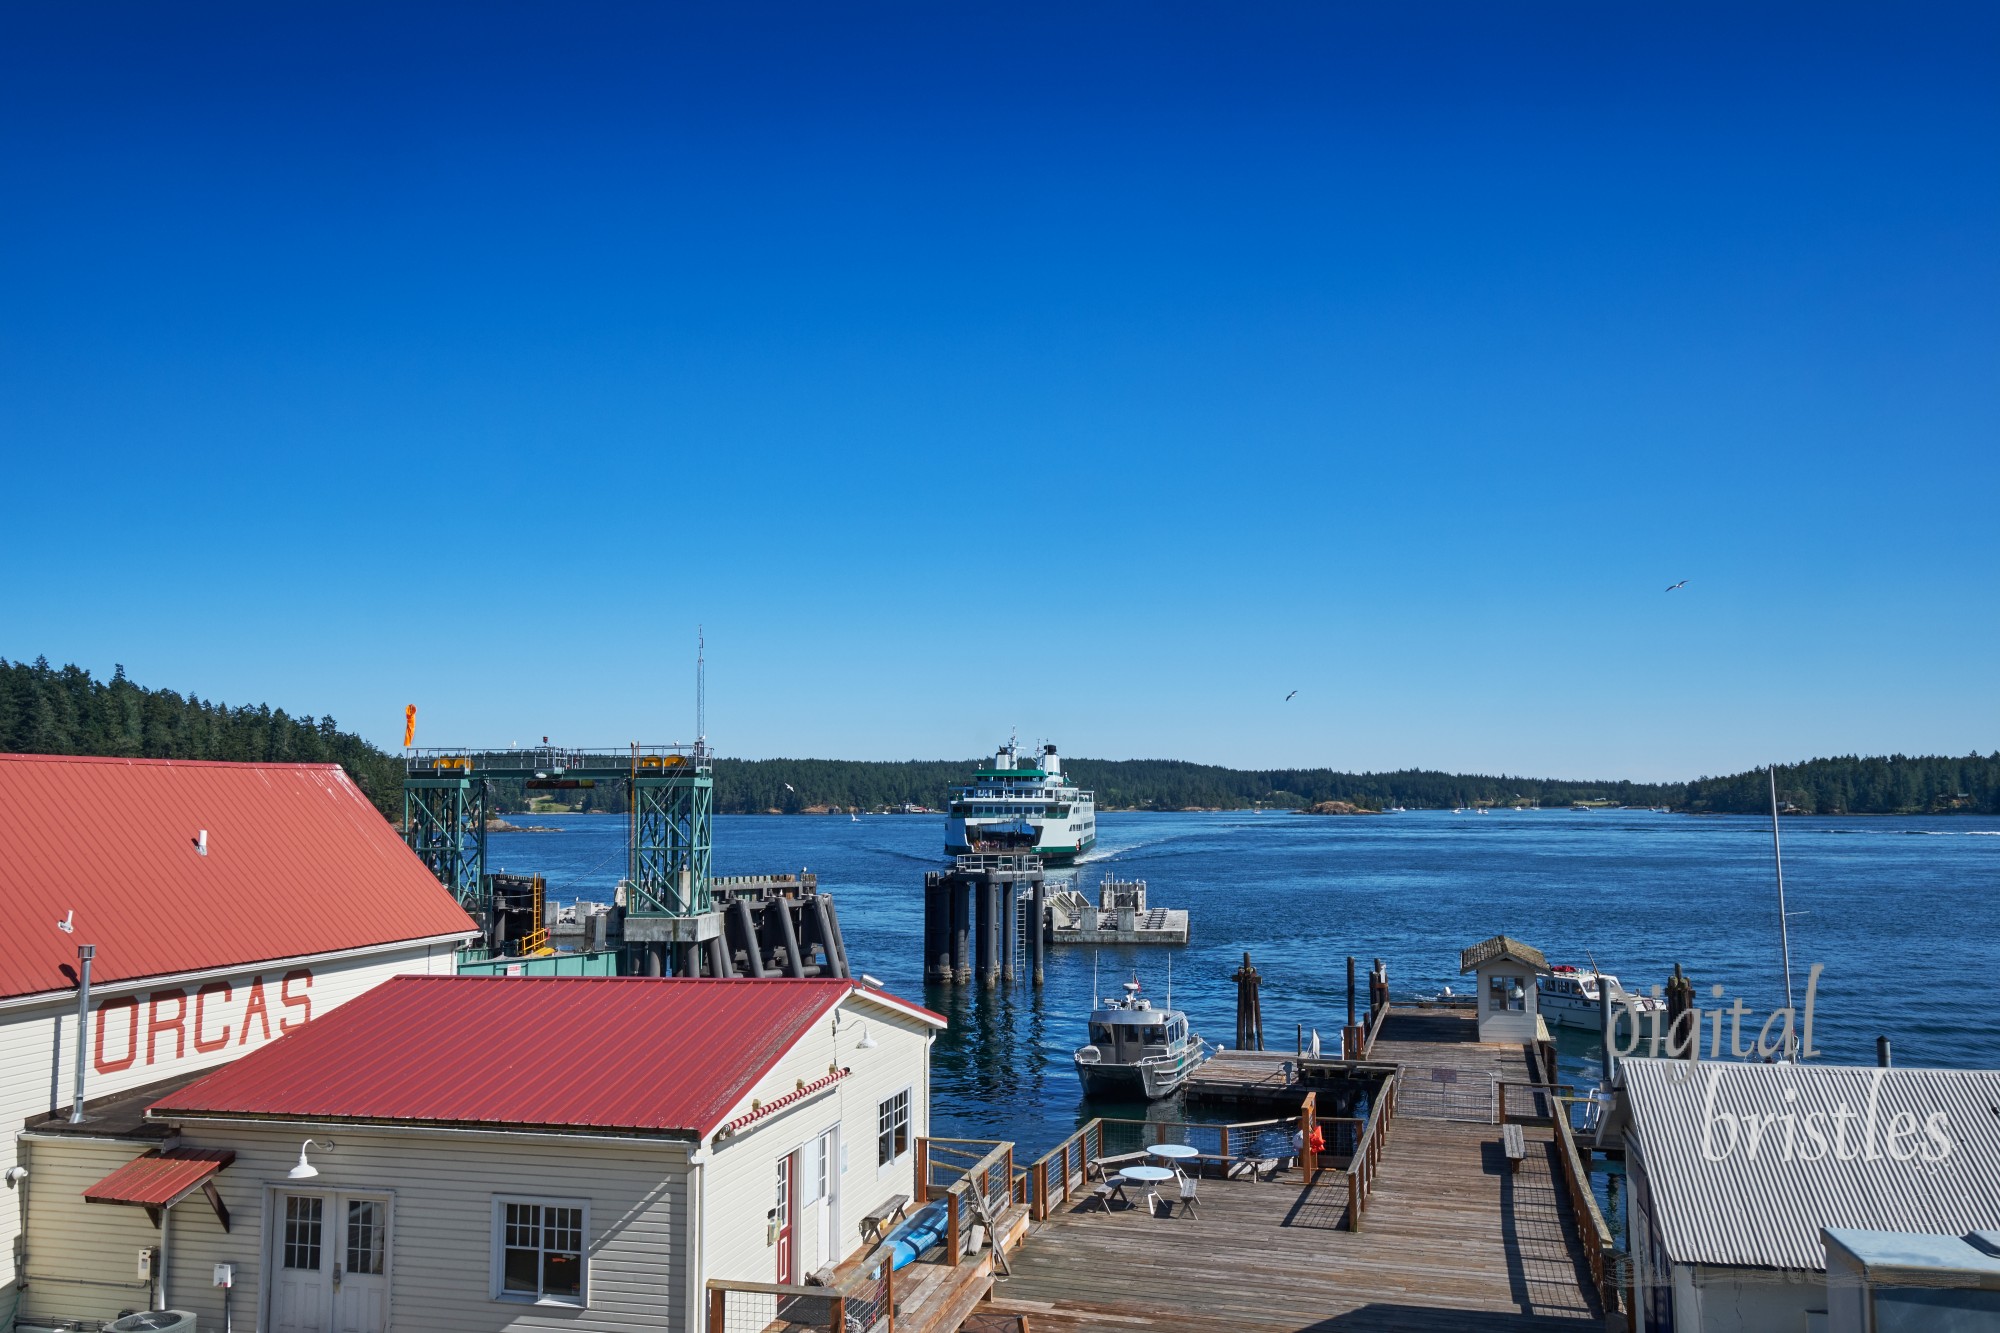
1506, 971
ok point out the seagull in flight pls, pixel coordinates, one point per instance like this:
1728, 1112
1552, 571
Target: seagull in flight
1682, 584
790, 788
1288, 698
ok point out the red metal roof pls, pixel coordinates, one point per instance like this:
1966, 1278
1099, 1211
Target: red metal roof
159, 1178
636, 1054
298, 863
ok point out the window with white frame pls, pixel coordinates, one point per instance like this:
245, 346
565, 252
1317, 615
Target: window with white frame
539, 1249
892, 1128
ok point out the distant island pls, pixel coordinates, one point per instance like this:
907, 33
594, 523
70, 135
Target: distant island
65, 710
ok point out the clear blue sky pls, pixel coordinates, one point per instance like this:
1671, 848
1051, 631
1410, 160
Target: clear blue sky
1106, 371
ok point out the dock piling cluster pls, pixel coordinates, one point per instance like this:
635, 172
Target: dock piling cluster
985, 920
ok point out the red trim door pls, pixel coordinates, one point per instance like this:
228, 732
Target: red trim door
787, 1207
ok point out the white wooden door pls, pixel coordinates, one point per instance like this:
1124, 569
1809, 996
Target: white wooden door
330, 1264
361, 1284
302, 1265
816, 1242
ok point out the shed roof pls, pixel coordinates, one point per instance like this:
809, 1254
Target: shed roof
298, 863
642, 1055
1500, 946
159, 1178
1729, 1205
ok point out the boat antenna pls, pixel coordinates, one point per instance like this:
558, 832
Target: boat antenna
1170, 981
1778, 858
1093, 978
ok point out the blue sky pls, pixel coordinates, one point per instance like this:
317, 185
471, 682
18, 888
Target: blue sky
1104, 374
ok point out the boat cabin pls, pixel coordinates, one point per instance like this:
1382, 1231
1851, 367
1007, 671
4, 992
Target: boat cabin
1125, 1036
1506, 971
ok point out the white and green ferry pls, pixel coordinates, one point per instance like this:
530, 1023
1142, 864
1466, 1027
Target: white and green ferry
1019, 807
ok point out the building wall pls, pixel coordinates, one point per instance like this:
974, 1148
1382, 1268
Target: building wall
740, 1183
84, 1260
38, 1048
1739, 1300
1514, 1025
442, 1187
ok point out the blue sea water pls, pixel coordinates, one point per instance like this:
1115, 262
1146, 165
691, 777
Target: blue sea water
1903, 914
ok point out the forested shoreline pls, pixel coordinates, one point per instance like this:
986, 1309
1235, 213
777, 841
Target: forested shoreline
65, 710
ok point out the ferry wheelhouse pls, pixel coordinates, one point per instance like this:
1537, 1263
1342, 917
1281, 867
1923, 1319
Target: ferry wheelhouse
1020, 807
1137, 1050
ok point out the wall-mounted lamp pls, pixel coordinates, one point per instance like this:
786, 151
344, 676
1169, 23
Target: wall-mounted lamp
867, 1042
306, 1170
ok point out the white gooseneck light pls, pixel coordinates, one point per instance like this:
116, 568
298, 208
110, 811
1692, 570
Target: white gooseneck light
306, 1170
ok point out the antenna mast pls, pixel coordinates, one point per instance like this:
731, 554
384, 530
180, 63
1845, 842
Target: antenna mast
700, 688
1777, 856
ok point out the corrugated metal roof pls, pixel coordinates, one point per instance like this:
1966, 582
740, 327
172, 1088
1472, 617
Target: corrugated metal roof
159, 1178
298, 863
656, 1055
1764, 1207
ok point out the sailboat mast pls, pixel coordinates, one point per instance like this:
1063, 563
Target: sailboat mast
1778, 857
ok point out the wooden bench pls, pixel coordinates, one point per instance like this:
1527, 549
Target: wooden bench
1103, 1168
1515, 1145
876, 1223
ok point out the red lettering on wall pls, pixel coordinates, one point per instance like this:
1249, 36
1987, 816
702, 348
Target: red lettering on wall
176, 1024
255, 1007
105, 1066
305, 977
207, 1044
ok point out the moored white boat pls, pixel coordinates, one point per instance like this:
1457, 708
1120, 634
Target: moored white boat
1570, 997
1137, 1050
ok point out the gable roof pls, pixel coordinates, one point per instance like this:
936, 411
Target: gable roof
1765, 1209
298, 863
1502, 947
640, 1055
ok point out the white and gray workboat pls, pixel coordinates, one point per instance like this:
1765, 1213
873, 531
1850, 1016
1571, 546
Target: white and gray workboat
1569, 997
1138, 1051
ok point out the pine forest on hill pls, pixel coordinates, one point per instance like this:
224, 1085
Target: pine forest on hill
51, 710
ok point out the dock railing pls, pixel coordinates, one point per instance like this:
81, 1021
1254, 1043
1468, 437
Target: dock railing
1374, 1031
955, 1170
1063, 1172
1367, 1159
1546, 1102
864, 1301
1590, 1224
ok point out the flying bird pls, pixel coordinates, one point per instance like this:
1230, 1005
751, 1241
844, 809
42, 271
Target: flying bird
789, 787
1682, 584
1288, 698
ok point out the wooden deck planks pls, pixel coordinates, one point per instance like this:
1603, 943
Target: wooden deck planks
1452, 1240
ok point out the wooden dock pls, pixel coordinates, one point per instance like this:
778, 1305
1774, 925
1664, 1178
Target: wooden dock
1450, 1239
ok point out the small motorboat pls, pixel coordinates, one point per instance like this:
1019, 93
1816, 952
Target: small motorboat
1137, 1049
1570, 997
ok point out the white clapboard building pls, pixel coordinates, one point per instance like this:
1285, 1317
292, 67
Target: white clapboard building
224, 905
485, 1153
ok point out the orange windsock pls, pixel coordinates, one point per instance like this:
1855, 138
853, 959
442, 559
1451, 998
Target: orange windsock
409, 725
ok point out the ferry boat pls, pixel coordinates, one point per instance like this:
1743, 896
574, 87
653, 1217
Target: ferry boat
1018, 807
1569, 998
1137, 1049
